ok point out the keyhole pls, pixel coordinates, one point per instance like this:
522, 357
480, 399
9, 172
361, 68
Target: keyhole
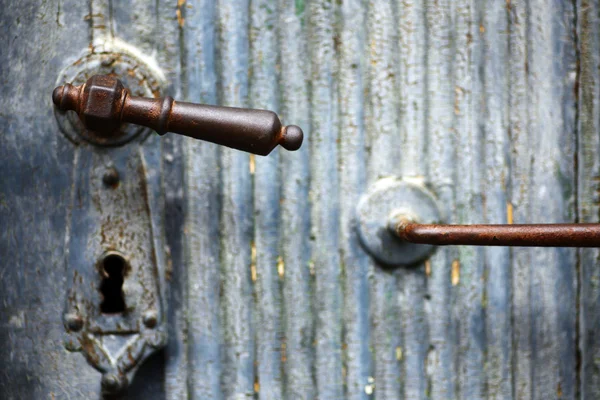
113, 271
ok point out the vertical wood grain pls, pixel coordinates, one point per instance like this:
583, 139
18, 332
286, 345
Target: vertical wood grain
324, 202
412, 282
354, 261
238, 355
521, 171
263, 94
494, 105
588, 187
441, 156
383, 154
497, 275
35, 196
469, 264
297, 348
202, 194
551, 53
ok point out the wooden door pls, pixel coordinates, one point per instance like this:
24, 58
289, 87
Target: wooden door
269, 294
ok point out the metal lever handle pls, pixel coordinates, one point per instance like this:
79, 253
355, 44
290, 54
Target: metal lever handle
398, 224
538, 235
103, 104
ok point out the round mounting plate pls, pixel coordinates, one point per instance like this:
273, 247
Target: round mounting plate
140, 78
387, 198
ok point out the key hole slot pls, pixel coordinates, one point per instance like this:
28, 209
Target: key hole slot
113, 269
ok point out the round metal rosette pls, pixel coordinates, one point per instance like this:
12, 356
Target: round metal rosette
388, 200
122, 61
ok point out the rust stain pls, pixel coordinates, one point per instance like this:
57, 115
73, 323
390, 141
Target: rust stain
256, 386
253, 273
509, 213
283, 351
89, 349
427, 268
455, 272
252, 164
280, 267
180, 19
130, 357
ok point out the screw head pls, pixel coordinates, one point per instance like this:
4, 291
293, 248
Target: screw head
73, 322
150, 318
113, 383
111, 177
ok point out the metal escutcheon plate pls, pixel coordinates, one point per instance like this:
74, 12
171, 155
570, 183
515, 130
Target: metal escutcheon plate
386, 199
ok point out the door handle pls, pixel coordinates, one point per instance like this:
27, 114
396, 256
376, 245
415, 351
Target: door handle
103, 104
529, 235
399, 222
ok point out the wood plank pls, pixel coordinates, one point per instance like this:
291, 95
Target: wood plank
551, 79
237, 377
298, 289
263, 94
412, 282
383, 153
202, 195
35, 195
521, 171
324, 202
442, 155
495, 167
588, 187
468, 268
354, 261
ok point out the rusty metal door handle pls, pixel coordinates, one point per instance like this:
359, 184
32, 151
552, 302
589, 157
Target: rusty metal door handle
103, 104
531, 235
399, 222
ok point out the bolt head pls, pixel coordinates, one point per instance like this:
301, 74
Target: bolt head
150, 318
103, 102
111, 177
113, 383
73, 322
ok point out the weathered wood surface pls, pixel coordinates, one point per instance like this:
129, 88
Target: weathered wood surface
496, 106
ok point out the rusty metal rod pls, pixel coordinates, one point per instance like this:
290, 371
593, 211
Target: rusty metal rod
534, 235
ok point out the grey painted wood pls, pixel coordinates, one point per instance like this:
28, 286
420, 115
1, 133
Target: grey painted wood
352, 177
412, 284
441, 153
202, 191
551, 51
382, 155
297, 346
497, 274
495, 106
238, 353
324, 201
469, 265
588, 191
520, 174
264, 94
36, 161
